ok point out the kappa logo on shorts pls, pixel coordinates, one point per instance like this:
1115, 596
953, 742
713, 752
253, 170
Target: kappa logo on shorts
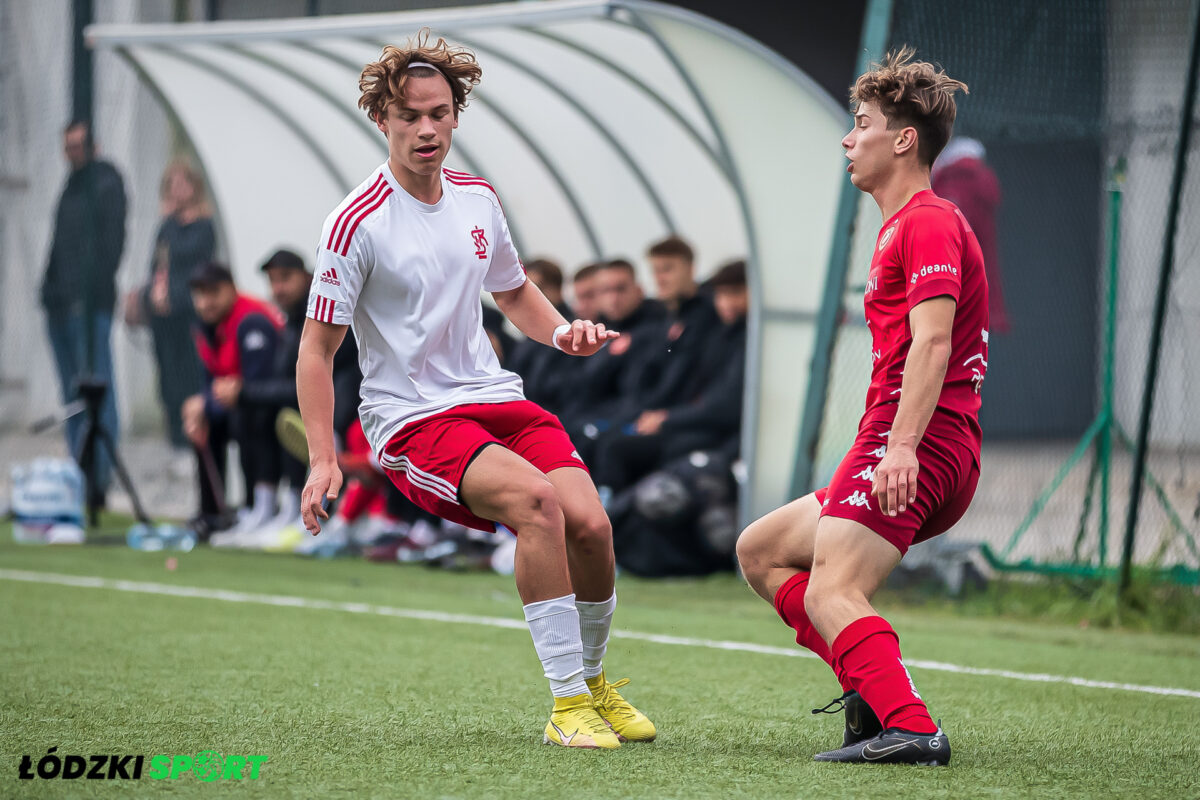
858, 499
575, 454
867, 474
880, 452
481, 242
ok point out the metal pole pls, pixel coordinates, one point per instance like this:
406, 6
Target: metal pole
877, 24
81, 64
82, 94
1160, 303
1104, 456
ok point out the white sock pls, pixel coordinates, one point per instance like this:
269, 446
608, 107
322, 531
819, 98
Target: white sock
595, 620
554, 625
264, 500
290, 507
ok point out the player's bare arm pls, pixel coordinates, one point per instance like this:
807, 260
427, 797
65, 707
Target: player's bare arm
895, 482
537, 318
314, 389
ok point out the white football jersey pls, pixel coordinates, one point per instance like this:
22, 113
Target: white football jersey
406, 276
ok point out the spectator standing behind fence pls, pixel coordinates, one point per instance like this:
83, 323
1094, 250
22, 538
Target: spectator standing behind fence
236, 337
961, 175
186, 239
79, 287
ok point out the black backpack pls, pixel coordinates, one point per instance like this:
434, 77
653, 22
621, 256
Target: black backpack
680, 520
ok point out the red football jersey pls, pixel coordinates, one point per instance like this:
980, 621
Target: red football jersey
927, 250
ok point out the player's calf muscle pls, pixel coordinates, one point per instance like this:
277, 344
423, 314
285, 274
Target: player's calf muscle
832, 606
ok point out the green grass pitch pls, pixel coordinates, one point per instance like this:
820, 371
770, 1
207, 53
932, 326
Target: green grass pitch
367, 705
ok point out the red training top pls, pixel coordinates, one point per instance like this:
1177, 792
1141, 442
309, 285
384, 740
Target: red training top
222, 356
927, 250
971, 185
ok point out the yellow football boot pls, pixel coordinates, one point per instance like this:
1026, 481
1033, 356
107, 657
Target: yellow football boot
575, 723
628, 723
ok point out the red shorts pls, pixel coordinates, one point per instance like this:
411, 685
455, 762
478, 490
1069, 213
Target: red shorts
946, 483
428, 457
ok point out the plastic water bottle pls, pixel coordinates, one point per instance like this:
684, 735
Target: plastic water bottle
176, 537
47, 502
144, 537
71, 476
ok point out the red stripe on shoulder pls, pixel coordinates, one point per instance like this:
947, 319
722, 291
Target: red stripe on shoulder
366, 212
342, 242
475, 182
349, 211
454, 176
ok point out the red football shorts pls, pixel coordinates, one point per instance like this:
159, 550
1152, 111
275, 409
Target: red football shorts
428, 457
946, 483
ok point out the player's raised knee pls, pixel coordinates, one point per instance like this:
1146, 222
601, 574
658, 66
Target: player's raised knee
753, 551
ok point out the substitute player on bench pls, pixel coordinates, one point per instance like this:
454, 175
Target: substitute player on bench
403, 259
915, 463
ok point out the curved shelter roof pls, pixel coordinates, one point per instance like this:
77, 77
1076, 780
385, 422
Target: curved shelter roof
603, 124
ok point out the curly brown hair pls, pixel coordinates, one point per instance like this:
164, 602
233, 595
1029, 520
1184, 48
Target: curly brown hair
382, 82
913, 94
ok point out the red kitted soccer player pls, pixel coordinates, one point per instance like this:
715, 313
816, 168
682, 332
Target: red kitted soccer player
915, 463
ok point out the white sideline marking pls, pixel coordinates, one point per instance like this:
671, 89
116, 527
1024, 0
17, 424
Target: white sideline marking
91, 582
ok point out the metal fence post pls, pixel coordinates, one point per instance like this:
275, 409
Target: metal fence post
877, 25
1160, 304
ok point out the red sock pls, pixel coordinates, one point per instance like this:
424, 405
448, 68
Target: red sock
355, 499
789, 604
868, 650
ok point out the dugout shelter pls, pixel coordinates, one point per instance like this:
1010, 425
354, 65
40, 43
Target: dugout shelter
604, 125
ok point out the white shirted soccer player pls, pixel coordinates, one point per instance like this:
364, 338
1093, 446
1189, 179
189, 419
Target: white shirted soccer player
403, 259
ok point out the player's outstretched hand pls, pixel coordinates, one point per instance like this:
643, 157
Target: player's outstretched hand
585, 337
895, 482
324, 483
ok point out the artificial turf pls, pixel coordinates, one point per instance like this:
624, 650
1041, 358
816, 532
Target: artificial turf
371, 705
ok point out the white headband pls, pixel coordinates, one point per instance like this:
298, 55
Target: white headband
420, 64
